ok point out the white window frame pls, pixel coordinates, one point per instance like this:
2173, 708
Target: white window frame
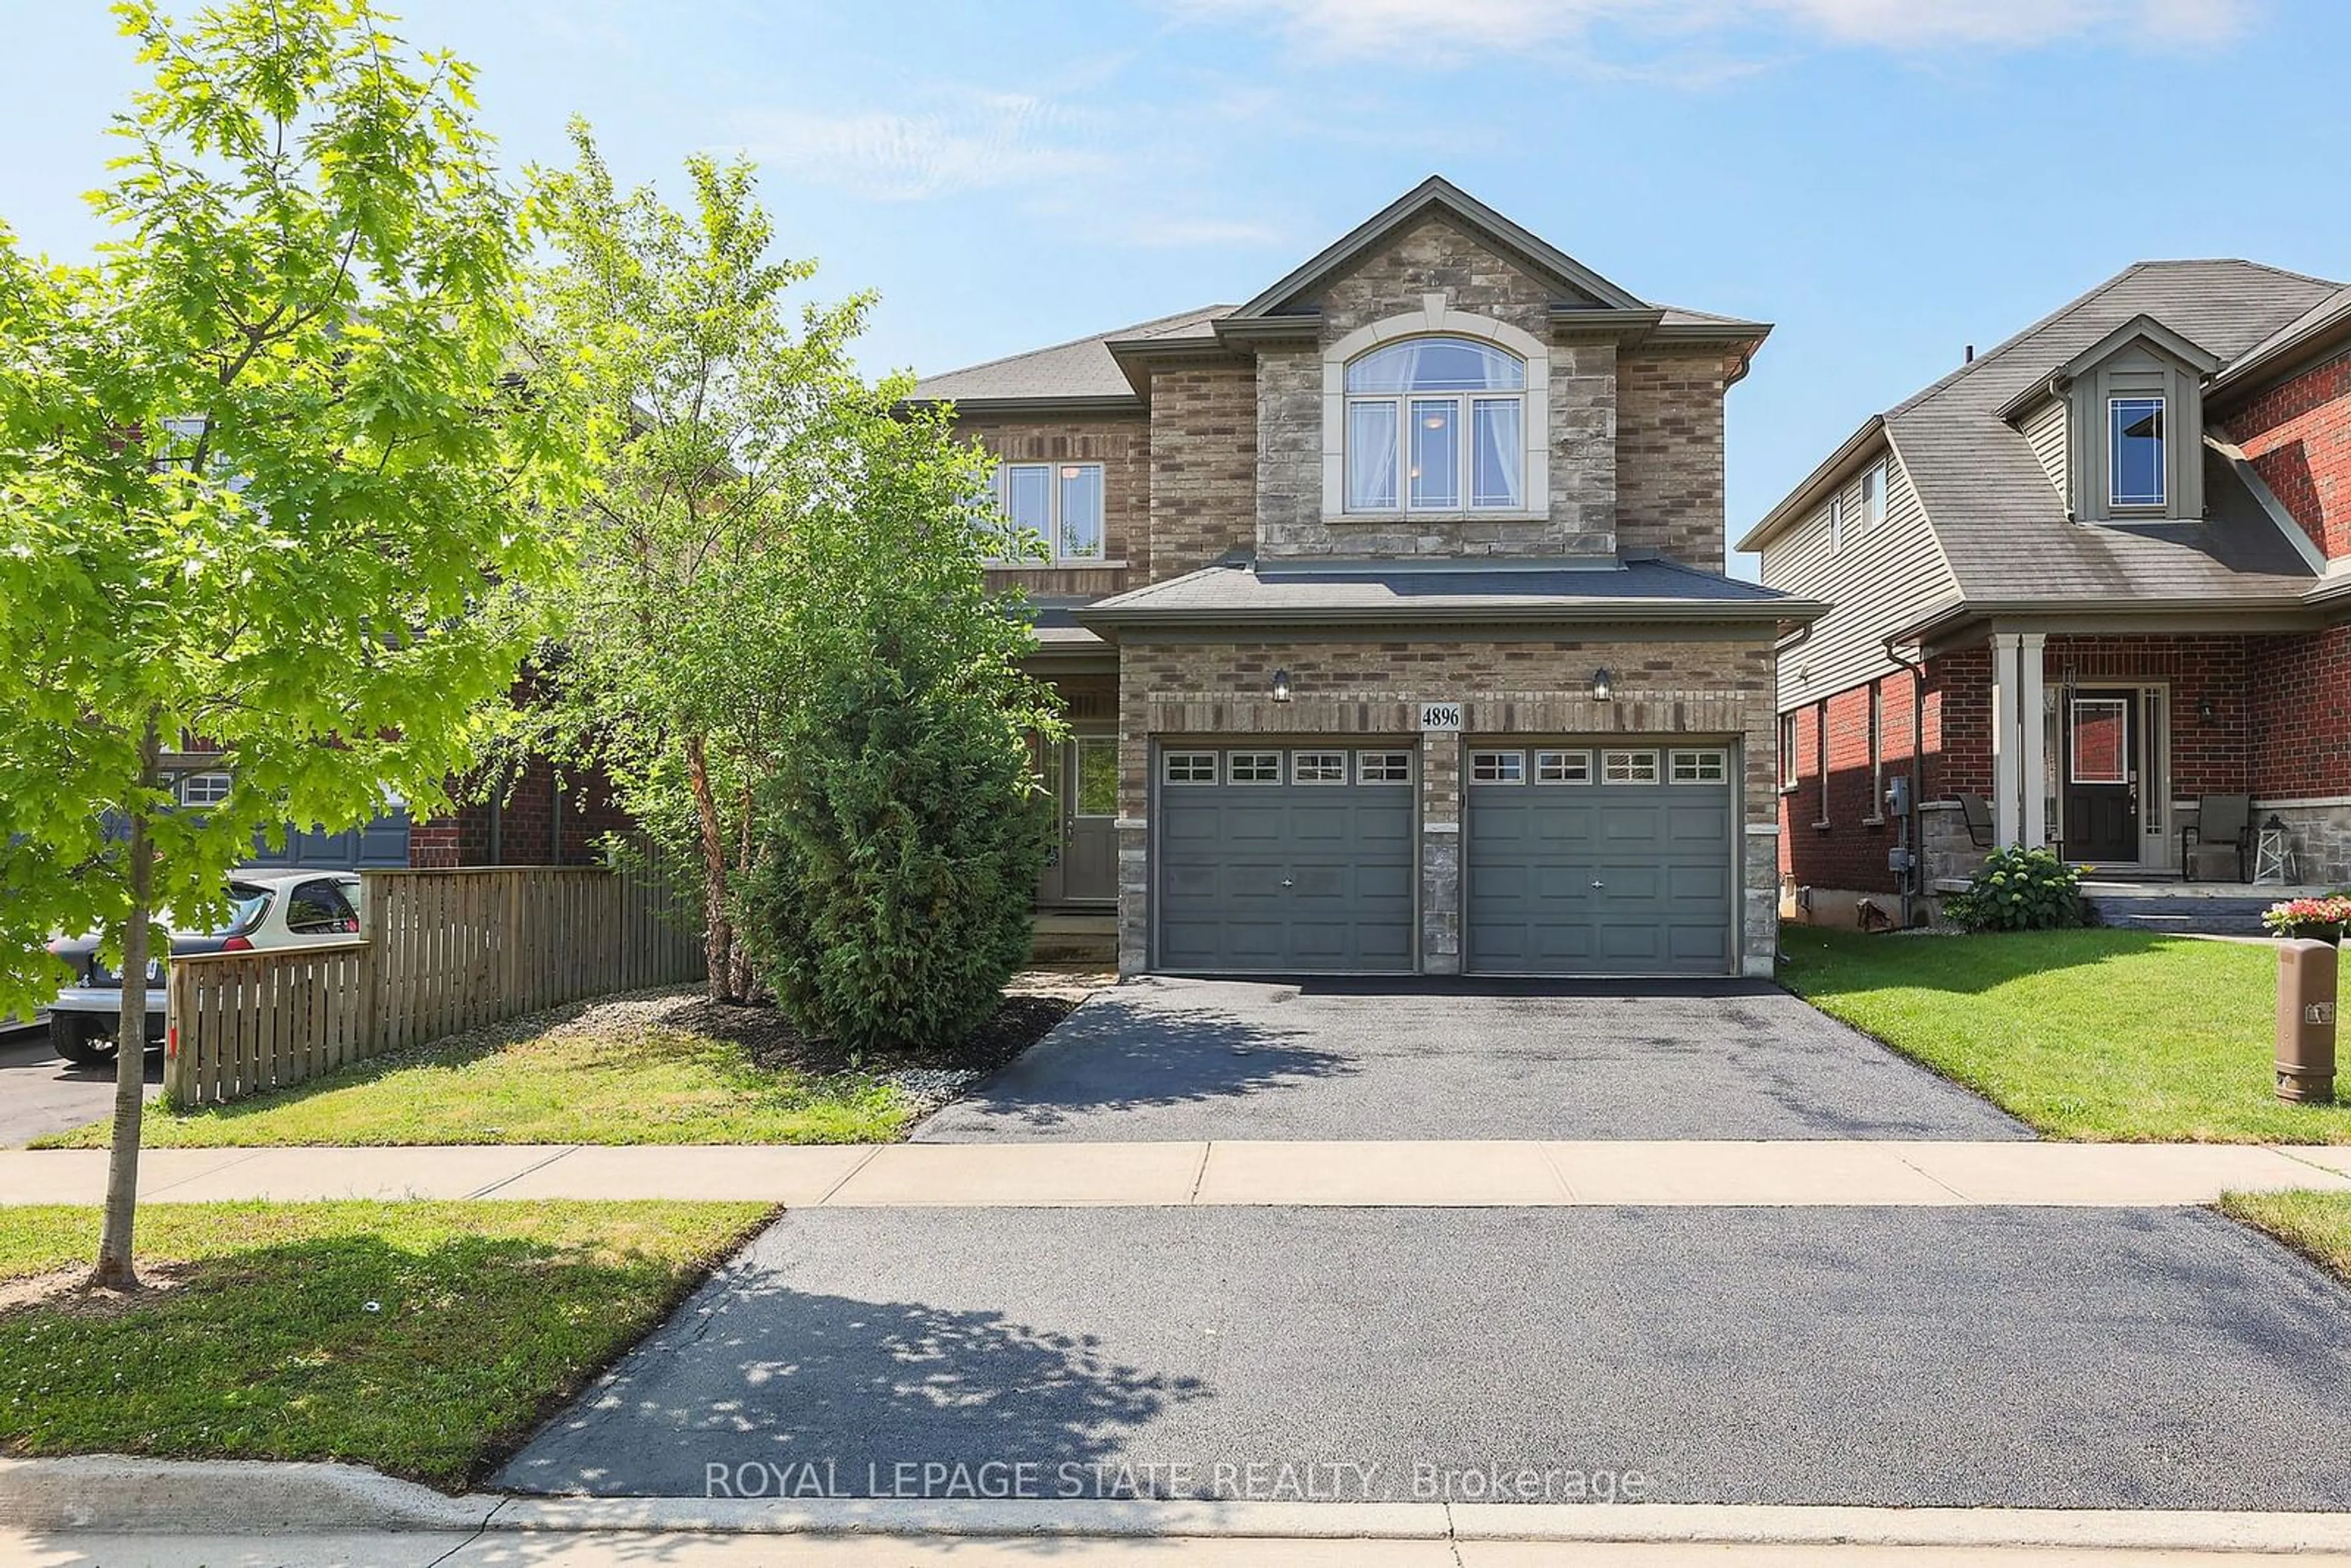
1567, 767
1791, 761
1510, 763
1232, 768
1300, 760
2162, 497
1055, 474
1401, 760
212, 793
1436, 319
1625, 764
1709, 765
1168, 759
1872, 495
1836, 523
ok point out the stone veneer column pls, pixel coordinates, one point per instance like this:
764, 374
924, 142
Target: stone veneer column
1440, 853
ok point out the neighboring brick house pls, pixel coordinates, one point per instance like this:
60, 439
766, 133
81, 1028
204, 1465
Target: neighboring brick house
2091, 577
1390, 612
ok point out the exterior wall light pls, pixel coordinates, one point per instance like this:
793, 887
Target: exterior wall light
1604, 686
1282, 685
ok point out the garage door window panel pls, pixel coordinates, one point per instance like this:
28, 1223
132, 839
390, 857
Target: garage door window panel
1498, 767
1253, 767
1563, 768
1383, 768
1628, 767
1700, 767
1318, 768
1189, 767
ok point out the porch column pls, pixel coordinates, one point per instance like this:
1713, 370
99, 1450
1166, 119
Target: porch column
2031, 664
2007, 739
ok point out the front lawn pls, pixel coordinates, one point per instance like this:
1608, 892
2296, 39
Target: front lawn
426, 1339
2315, 1223
2127, 1036
656, 1068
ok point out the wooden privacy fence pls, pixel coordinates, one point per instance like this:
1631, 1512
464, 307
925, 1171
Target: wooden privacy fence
445, 951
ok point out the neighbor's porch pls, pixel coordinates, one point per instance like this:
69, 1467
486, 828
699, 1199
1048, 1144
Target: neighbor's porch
2106, 747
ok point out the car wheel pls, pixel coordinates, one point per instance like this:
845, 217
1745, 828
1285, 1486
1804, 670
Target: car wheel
77, 1038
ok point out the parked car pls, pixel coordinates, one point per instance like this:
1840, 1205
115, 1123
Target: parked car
267, 909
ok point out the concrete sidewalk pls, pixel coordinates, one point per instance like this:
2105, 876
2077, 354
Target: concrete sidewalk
1362, 1174
515, 1549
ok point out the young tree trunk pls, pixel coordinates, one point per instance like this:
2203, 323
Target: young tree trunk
717, 932
114, 1270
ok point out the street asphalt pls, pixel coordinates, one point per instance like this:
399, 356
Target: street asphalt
1175, 1058
2044, 1358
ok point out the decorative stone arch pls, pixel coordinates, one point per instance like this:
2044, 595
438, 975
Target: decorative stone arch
1436, 319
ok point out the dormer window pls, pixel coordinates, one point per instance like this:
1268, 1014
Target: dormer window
1437, 424
2135, 457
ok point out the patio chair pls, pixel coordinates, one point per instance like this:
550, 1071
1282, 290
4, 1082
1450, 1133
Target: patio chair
1977, 811
2220, 821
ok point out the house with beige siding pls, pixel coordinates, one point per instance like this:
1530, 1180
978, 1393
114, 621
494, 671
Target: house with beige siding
2097, 579
1390, 611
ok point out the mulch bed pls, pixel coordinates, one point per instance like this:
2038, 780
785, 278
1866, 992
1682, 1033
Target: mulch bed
1023, 1019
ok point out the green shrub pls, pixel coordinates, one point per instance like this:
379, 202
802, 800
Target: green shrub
2019, 889
900, 849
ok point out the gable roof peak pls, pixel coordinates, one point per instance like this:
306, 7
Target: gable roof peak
1438, 194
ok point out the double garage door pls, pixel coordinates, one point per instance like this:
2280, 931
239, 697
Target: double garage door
1576, 860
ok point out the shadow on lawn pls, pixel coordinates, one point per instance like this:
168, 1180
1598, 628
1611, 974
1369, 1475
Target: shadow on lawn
431, 1363
756, 1389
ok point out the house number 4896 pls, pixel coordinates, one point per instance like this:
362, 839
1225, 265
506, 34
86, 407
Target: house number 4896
1440, 715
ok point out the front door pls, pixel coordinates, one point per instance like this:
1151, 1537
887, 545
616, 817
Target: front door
2103, 768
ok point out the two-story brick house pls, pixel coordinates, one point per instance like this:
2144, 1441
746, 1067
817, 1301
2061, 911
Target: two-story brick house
1390, 611
2091, 577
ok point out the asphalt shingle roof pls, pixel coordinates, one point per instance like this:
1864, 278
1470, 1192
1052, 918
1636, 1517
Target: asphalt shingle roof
2002, 525
1079, 368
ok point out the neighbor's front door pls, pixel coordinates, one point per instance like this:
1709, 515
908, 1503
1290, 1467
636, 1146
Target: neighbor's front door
2102, 777
1082, 776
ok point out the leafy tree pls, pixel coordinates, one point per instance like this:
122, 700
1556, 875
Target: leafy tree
266, 478
900, 849
718, 416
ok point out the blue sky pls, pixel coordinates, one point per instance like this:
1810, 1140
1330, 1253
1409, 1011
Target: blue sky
1885, 179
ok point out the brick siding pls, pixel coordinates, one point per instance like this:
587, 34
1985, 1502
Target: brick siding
1669, 453
1122, 444
2279, 727
2297, 435
1203, 467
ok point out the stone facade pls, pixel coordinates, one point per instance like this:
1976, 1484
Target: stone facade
1711, 690
1435, 262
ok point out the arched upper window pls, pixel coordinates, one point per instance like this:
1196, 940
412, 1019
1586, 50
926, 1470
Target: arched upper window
1436, 424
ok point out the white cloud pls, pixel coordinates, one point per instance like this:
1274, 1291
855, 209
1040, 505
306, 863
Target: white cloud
1447, 31
967, 140
1104, 172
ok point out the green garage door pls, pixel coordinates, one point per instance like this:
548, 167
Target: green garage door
1600, 860
1285, 859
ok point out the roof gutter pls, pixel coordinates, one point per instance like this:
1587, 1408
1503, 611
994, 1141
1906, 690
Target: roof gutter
1597, 611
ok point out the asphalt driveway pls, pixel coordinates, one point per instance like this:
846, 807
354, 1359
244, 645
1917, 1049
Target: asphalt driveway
1166, 1059
2058, 1358
42, 1093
